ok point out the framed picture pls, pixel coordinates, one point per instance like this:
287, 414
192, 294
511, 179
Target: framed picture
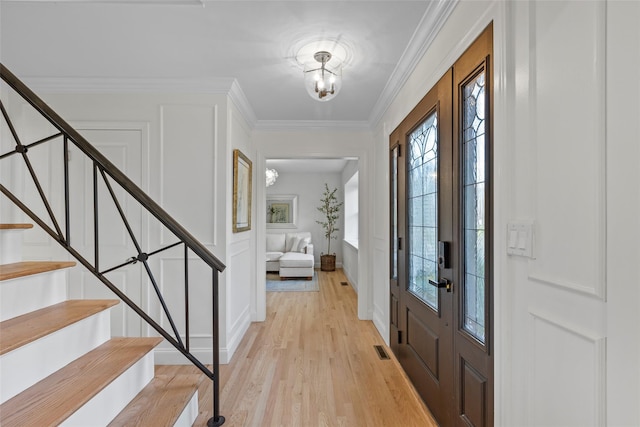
242, 173
282, 211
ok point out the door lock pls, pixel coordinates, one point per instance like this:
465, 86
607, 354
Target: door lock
443, 283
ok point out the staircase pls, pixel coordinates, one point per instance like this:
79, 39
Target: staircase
59, 364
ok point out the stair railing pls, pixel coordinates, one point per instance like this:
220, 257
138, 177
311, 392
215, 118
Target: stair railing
109, 174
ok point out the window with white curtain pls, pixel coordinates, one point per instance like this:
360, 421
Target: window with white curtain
351, 210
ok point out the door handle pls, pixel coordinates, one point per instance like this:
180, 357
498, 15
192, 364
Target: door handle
443, 283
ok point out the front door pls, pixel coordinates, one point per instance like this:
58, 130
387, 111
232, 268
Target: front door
440, 233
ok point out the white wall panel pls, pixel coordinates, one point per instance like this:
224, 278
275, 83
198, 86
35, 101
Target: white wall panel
623, 213
240, 280
188, 166
567, 376
171, 282
567, 71
380, 288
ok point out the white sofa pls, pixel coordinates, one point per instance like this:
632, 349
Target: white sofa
290, 254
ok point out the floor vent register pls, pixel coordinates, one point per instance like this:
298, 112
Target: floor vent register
382, 354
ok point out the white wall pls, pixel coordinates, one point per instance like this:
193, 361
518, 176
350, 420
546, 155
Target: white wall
567, 334
309, 188
241, 258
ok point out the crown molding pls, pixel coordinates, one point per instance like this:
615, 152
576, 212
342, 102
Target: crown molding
129, 85
239, 99
432, 21
324, 125
224, 86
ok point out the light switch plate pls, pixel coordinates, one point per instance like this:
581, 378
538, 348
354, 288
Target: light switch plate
520, 238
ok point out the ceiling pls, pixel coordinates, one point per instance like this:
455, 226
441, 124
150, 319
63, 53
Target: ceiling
253, 42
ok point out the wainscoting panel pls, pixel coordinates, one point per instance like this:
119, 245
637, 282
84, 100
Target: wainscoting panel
188, 137
381, 291
238, 294
567, 373
172, 287
567, 88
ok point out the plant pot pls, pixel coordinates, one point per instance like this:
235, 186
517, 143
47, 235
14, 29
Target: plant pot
328, 262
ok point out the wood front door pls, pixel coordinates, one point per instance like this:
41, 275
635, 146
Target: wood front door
441, 323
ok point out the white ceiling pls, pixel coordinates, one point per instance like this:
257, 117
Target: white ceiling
253, 42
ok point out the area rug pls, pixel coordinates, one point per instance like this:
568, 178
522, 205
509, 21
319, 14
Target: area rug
274, 284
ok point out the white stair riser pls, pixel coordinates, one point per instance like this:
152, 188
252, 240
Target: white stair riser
10, 246
25, 294
25, 366
104, 407
189, 414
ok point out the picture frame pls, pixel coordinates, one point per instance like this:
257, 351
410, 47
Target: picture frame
242, 177
282, 211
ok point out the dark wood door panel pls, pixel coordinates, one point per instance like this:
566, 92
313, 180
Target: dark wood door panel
473, 87
425, 343
473, 395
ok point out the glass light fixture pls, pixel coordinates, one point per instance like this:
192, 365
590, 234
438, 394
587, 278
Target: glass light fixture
322, 80
272, 175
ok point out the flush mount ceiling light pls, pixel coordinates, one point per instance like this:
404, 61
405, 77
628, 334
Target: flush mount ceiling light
322, 62
272, 175
322, 79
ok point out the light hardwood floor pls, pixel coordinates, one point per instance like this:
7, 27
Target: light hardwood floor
312, 363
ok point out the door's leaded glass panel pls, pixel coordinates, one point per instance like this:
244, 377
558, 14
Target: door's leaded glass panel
423, 210
473, 206
394, 212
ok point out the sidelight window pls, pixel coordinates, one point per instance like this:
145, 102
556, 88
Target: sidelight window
473, 205
422, 188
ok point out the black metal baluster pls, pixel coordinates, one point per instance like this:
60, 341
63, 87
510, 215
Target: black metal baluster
161, 300
217, 419
67, 225
186, 294
96, 250
121, 212
23, 150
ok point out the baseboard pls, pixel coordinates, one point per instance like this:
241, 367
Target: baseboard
353, 283
317, 265
381, 324
236, 333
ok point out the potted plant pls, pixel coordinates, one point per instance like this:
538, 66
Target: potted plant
330, 208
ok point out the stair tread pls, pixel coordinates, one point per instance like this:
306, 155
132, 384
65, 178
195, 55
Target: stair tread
28, 327
56, 397
161, 402
17, 226
27, 268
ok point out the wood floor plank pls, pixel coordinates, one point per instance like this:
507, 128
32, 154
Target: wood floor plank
28, 327
313, 363
55, 398
27, 268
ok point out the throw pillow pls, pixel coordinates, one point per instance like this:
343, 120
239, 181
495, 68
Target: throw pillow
295, 242
302, 245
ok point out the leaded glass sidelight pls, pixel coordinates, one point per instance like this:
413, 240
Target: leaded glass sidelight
422, 190
473, 205
394, 212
